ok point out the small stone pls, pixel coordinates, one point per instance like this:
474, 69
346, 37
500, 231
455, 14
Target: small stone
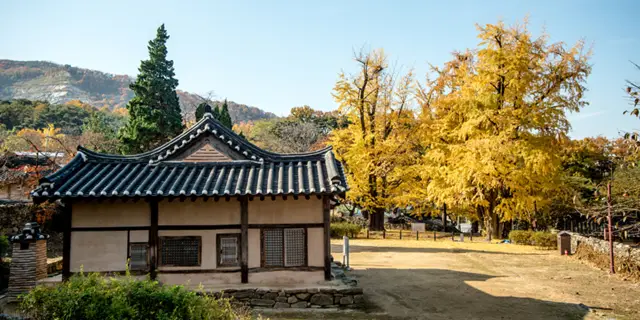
262, 291
327, 290
321, 299
295, 291
315, 307
262, 302
313, 290
350, 291
303, 296
243, 294
299, 304
346, 300
270, 296
292, 299
281, 293
281, 299
336, 300
281, 305
358, 299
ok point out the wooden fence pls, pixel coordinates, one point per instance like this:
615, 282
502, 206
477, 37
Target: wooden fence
410, 235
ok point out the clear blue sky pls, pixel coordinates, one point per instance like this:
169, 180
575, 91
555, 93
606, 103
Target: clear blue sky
278, 54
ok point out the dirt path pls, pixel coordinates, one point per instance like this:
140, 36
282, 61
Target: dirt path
410, 279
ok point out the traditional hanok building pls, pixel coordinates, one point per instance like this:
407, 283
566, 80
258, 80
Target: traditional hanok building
207, 207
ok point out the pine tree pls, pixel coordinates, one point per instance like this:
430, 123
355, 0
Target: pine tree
200, 111
216, 113
154, 110
225, 117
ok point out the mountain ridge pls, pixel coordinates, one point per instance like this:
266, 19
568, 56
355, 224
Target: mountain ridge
61, 83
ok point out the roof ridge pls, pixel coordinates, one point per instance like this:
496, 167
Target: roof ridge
220, 132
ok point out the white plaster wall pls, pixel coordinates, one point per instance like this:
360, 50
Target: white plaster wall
285, 211
107, 214
98, 251
315, 247
195, 279
199, 212
286, 277
139, 236
208, 257
254, 248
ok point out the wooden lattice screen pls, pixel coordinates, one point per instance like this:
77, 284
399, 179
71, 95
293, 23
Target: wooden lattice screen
180, 251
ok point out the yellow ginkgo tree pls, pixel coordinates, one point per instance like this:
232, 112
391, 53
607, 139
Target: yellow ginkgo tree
376, 143
492, 121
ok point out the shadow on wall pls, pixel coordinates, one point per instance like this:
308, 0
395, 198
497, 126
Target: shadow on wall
337, 248
446, 294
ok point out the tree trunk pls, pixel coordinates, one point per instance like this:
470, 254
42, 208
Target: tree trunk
488, 227
444, 218
376, 220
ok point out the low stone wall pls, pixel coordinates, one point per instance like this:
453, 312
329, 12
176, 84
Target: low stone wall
14, 216
620, 250
627, 257
298, 298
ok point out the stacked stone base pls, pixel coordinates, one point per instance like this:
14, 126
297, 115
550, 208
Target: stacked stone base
351, 298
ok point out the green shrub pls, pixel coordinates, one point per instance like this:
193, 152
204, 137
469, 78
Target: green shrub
545, 239
340, 229
96, 297
521, 237
539, 238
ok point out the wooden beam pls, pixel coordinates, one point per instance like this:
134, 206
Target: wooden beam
66, 242
326, 206
244, 239
153, 238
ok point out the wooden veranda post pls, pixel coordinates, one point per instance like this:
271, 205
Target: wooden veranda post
326, 206
153, 238
244, 239
66, 242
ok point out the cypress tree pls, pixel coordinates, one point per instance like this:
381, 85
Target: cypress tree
225, 117
200, 111
154, 111
216, 113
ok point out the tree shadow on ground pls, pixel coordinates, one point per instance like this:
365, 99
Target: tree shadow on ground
337, 248
447, 294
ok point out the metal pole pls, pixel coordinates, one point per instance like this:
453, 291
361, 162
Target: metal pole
400, 234
345, 251
612, 270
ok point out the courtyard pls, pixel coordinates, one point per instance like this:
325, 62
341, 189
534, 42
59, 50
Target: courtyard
408, 279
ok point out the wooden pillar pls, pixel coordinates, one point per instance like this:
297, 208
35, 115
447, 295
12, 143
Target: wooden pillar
326, 206
153, 238
244, 239
66, 242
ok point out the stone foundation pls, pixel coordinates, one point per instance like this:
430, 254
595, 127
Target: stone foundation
344, 297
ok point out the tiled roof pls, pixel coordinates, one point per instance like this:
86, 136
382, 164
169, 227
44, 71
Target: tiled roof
253, 171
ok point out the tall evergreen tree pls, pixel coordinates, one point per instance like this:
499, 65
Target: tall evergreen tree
200, 110
154, 110
216, 113
225, 117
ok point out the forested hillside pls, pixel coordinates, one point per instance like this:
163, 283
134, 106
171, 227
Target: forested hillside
58, 84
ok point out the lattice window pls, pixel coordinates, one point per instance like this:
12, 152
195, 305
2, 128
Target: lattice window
273, 248
180, 251
284, 247
228, 250
294, 247
138, 256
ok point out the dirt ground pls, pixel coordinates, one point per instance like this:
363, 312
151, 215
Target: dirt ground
408, 279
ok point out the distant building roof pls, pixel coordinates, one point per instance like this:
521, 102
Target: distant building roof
206, 160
